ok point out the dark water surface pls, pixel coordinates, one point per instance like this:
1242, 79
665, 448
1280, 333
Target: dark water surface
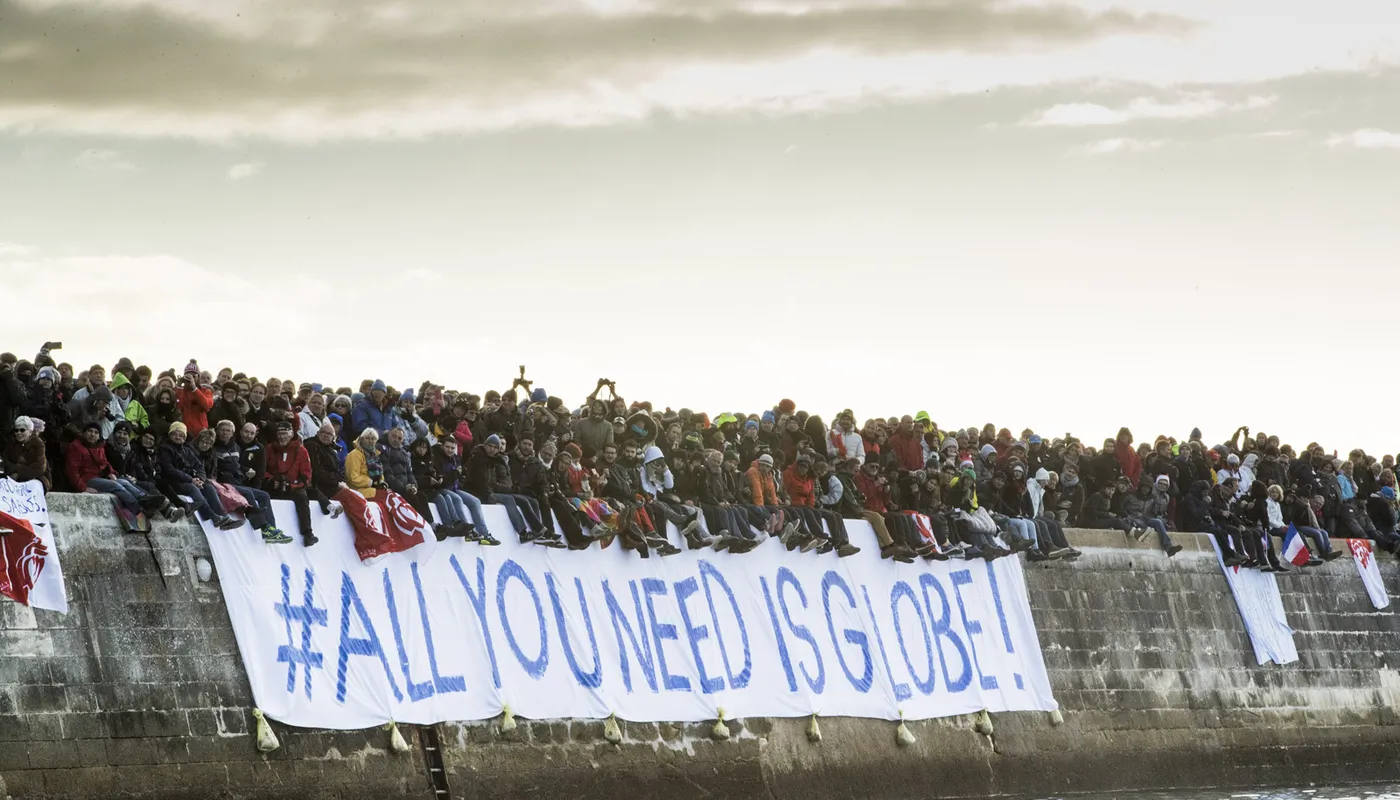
1385, 792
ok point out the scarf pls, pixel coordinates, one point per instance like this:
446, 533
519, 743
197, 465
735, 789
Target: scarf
373, 466
1068, 482
839, 442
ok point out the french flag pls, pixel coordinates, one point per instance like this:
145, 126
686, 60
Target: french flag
1294, 551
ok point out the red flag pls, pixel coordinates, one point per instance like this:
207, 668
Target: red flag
384, 524
22, 555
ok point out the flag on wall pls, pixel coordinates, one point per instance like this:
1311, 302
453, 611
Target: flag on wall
1364, 553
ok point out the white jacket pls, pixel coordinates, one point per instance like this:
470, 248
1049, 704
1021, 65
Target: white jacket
855, 446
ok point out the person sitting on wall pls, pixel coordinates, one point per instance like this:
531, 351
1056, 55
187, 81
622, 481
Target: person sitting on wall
288, 476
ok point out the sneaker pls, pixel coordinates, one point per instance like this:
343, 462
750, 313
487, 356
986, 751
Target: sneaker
1142, 533
1036, 555
813, 543
721, 541
667, 549
442, 531
464, 529
847, 549
526, 537
1267, 568
970, 553
1281, 568
336, 510
825, 547
551, 541
1062, 552
271, 535
1019, 544
309, 539
690, 528
793, 542
889, 551
1315, 562
602, 533
992, 553
743, 546
1233, 561
227, 523
487, 540
1173, 550
1332, 555
174, 513
789, 530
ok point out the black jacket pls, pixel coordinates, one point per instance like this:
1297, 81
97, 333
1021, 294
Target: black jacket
179, 463
487, 474
1195, 509
326, 471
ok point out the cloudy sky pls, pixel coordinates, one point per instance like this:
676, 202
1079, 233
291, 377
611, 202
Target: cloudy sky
1063, 215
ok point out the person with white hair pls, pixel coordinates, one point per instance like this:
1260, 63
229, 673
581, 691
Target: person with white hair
23, 458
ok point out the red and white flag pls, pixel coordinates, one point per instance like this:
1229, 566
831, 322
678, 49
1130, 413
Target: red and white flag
1365, 555
29, 569
383, 524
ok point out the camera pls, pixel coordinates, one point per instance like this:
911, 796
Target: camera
51, 346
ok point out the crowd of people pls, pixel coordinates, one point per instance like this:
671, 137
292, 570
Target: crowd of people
187, 441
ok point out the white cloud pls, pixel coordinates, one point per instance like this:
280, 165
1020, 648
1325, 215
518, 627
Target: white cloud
1366, 139
109, 161
1190, 105
14, 249
1107, 147
1283, 134
238, 172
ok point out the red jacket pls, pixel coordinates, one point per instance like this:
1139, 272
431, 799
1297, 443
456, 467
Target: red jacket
908, 450
799, 489
194, 408
877, 496
290, 463
82, 463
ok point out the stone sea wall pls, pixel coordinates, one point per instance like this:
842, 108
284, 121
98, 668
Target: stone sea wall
139, 692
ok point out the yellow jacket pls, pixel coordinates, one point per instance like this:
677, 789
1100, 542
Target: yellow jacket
357, 473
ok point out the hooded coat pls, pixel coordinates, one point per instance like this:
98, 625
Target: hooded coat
1195, 509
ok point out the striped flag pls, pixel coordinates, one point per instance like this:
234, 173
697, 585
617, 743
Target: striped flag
1363, 552
1294, 551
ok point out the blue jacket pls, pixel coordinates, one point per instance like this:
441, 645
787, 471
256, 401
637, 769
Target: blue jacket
366, 415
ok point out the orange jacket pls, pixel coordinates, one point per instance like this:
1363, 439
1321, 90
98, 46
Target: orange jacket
194, 408
763, 488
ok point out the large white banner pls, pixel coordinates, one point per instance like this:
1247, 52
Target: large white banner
1261, 608
456, 631
29, 568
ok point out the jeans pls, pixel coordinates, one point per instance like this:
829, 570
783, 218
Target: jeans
1024, 528
126, 492
1155, 524
522, 516
1051, 534
207, 504
1321, 541
450, 509
464, 503
259, 513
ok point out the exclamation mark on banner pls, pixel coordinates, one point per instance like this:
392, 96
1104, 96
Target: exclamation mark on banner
1001, 617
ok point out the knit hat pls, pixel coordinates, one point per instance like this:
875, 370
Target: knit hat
1035, 438
48, 372
1042, 474
496, 440
97, 426
987, 450
336, 418
377, 386
179, 426
1388, 492
539, 396
192, 368
1232, 460
786, 406
1164, 479
966, 464
767, 459
750, 424
407, 395
574, 450
27, 424
1195, 433
768, 417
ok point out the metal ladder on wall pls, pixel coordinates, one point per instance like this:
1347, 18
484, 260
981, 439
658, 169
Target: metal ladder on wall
432, 756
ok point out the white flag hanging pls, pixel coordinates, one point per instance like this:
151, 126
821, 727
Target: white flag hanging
1364, 553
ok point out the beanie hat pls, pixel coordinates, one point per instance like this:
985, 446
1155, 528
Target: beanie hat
1388, 492
1232, 459
97, 426
1035, 438
1164, 479
496, 440
28, 424
377, 386
574, 450
768, 417
192, 368
786, 406
987, 450
407, 395
50, 373
1195, 433
179, 426
750, 424
966, 464
1042, 474
539, 396
336, 418
767, 459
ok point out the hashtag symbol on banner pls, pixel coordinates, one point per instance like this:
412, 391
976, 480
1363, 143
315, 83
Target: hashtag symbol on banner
306, 614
